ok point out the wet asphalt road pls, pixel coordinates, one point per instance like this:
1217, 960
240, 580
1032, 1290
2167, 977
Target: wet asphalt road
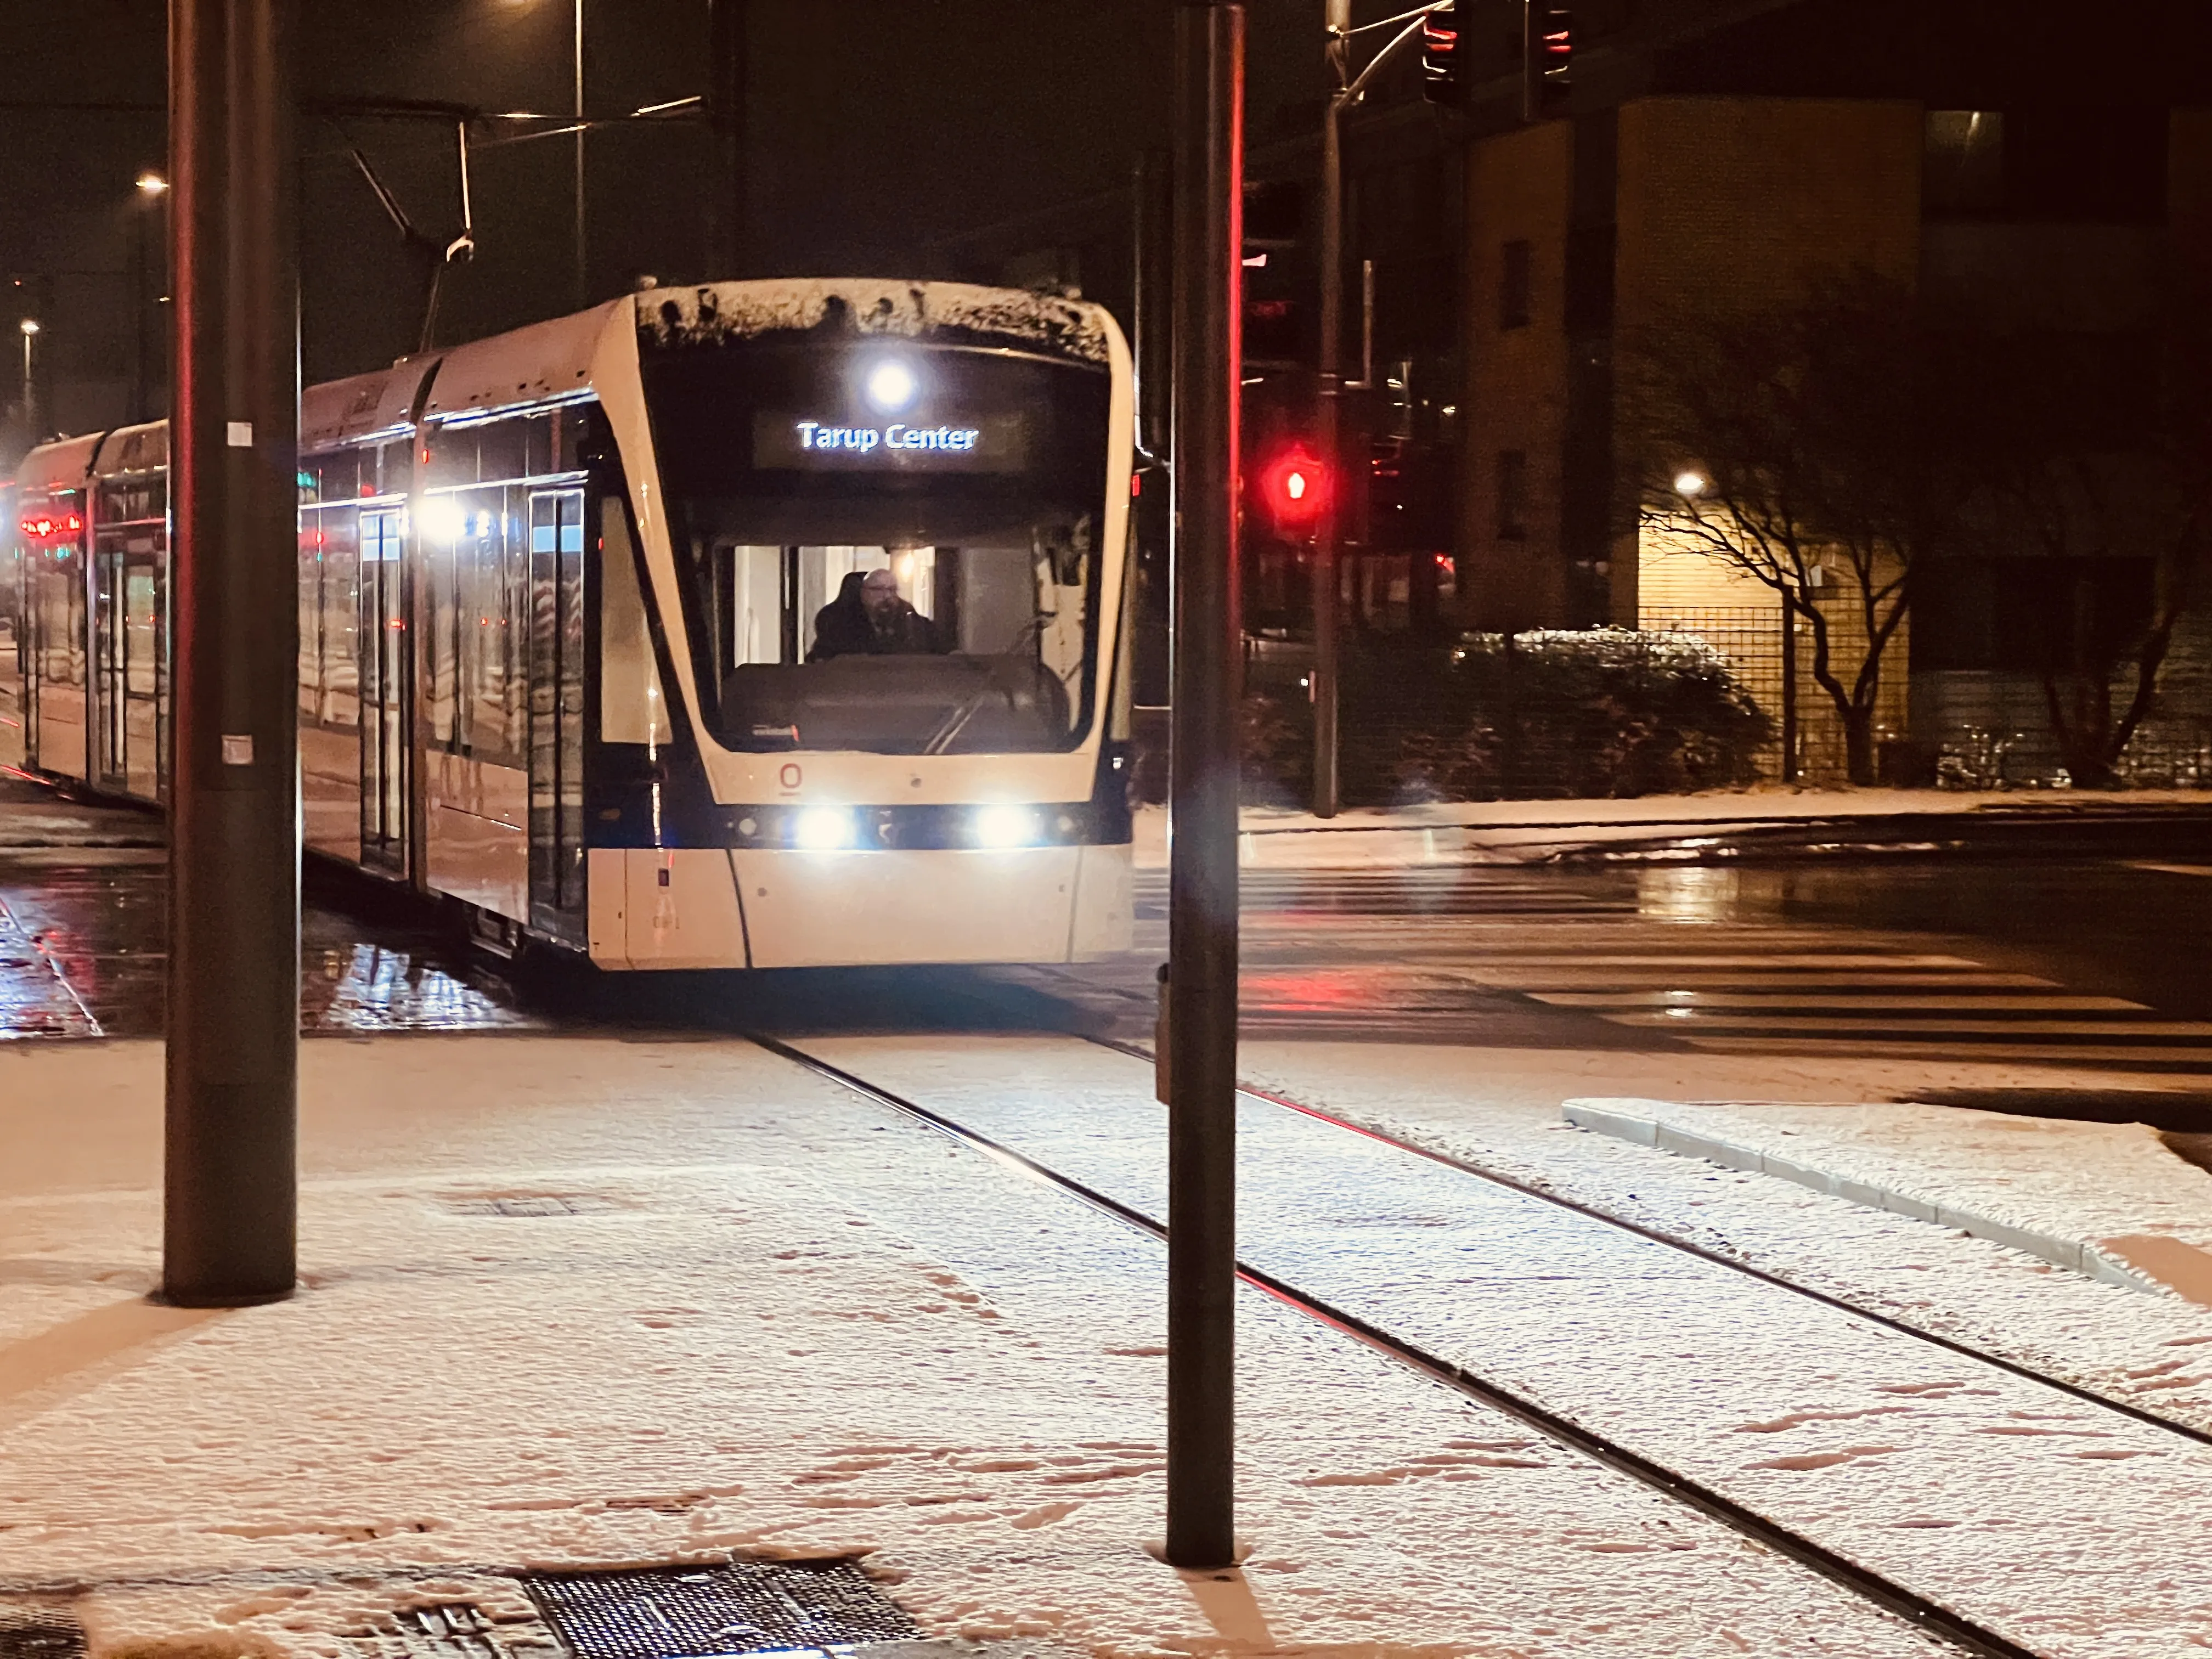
2085, 956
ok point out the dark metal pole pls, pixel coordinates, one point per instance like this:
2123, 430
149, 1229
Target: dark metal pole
231, 1181
142, 352
1209, 212
1327, 424
725, 121
1789, 692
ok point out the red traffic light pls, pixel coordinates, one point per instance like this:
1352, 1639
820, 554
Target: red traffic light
1293, 489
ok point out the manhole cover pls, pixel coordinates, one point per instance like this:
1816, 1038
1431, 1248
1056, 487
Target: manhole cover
39, 1633
700, 1613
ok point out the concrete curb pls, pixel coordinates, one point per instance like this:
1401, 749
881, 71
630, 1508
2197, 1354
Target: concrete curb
1602, 1117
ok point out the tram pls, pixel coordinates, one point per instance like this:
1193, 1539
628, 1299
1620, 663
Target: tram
751, 624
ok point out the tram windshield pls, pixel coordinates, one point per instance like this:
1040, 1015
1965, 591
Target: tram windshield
888, 546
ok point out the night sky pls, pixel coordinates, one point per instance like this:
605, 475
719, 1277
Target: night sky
874, 127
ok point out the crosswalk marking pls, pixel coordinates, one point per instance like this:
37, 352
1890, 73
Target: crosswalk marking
1479, 956
2165, 1055
1698, 1019
1931, 1004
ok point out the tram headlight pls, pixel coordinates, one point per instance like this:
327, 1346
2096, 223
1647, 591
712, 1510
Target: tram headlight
824, 829
1007, 826
891, 385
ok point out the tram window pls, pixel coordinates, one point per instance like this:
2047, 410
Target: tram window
339, 476
749, 606
310, 483
537, 442
311, 614
452, 457
341, 623
394, 471
630, 706
501, 448
489, 566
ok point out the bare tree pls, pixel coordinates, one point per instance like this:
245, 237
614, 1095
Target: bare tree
2107, 476
1811, 449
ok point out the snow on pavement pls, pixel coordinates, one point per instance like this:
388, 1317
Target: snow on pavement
596, 1302
1500, 1108
2078, 1532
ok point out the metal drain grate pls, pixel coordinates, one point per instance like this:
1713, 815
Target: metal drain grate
39, 1633
530, 1204
703, 1613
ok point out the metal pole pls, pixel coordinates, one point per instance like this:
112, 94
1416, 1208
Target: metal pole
583, 271
1209, 212
1325, 421
231, 1181
726, 116
142, 354
30, 397
1789, 692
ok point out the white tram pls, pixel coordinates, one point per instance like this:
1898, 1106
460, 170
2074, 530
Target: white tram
559, 597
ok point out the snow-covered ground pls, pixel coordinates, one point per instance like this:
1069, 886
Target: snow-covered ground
596, 1302
2111, 1199
1514, 831
1501, 1108
2073, 1530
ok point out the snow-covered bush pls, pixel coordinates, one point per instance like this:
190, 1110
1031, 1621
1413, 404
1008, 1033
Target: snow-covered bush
1607, 711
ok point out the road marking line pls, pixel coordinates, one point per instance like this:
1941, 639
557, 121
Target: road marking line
1688, 1019
1864, 1049
1931, 1003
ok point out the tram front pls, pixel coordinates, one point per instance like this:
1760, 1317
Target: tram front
883, 530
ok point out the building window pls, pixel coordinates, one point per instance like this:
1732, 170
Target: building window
1512, 495
1513, 286
1962, 168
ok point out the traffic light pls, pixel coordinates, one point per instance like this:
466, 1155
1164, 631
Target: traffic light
1548, 54
1444, 80
1294, 488
1276, 279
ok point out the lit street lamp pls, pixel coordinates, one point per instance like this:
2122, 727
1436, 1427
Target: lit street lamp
30, 327
152, 190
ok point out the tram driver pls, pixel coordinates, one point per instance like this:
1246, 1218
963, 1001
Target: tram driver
868, 617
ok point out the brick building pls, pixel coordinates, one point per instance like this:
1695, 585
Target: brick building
1725, 161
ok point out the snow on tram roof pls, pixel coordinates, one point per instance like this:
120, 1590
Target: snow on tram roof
715, 311
541, 362
338, 411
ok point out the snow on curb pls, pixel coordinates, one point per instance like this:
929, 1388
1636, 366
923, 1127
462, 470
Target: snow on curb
2139, 1262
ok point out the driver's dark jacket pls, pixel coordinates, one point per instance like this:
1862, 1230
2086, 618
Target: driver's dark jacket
843, 627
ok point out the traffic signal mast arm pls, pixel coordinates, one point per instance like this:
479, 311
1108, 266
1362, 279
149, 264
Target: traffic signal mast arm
1353, 90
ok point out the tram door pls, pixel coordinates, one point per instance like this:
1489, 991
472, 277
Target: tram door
385, 692
127, 665
556, 711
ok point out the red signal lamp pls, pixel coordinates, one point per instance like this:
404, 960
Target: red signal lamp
1294, 488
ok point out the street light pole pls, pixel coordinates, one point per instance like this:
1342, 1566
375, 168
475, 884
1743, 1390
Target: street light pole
1345, 89
231, 1177
583, 270
30, 326
1327, 424
725, 121
152, 188
1209, 213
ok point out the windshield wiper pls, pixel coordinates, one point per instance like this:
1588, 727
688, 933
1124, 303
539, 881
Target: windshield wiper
957, 722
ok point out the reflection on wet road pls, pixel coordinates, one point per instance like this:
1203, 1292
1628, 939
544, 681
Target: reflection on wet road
2087, 962
83, 951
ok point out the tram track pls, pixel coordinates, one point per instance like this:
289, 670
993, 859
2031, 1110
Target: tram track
1923, 1611
2087, 1395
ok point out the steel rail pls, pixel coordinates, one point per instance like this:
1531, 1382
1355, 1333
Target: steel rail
2027, 1373
1921, 1611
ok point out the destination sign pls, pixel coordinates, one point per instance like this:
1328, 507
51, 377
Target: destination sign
804, 443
